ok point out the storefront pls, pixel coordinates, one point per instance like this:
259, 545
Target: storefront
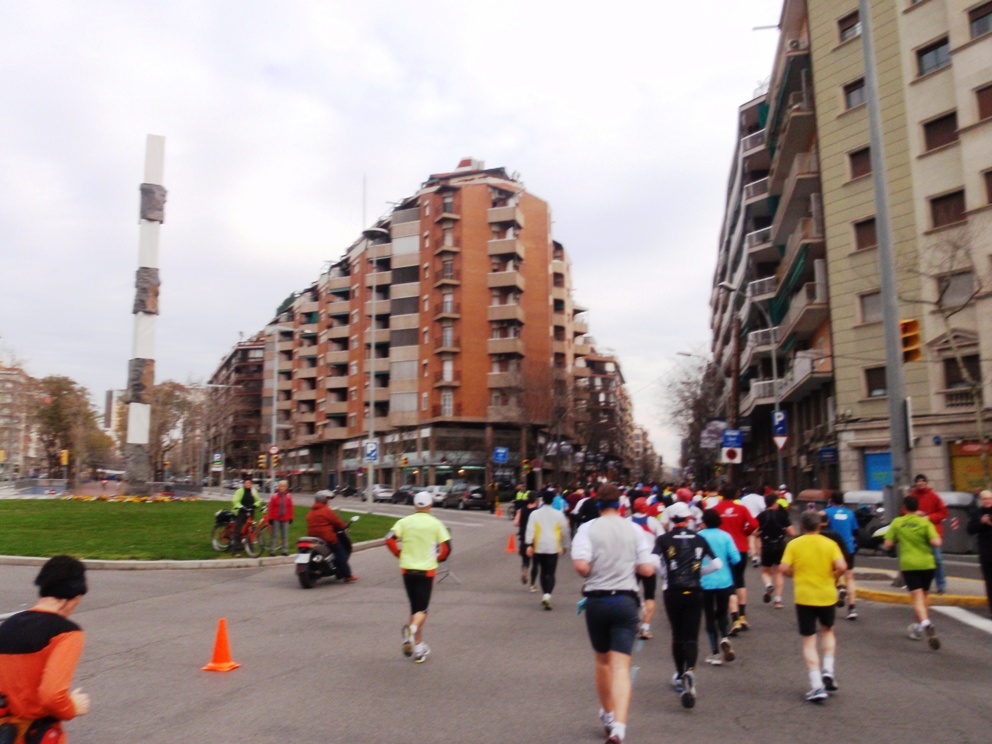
967, 471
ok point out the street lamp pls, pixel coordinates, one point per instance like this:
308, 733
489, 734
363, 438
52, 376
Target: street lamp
728, 287
372, 233
276, 329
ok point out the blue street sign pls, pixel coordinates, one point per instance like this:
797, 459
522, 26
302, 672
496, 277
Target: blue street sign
732, 438
501, 455
372, 450
779, 426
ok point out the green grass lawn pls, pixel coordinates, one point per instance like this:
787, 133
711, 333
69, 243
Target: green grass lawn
133, 531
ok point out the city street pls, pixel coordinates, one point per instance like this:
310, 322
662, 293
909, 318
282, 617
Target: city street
325, 664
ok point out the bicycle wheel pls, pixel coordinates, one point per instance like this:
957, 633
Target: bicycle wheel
220, 538
263, 537
250, 541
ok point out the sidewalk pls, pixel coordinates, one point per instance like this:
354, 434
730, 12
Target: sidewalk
875, 585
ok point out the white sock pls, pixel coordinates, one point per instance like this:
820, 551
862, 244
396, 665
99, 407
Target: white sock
413, 629
420, 648
815, 679
605, 717
924, 624
828, 665
618, 730
645, 627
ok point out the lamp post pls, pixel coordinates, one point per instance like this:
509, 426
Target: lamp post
372, 233
276, 330
728, 287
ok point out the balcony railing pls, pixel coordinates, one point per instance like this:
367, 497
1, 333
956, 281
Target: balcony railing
811, 293
454, 378
756, 139
764, 286
756, 188
958, 398
807, 230
506, 247
757, 237
448, 308
453, 410
496, 215
454, 342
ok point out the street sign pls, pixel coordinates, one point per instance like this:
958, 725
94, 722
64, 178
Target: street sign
780, 427
732, 438
535, 464
780, 441
273, 450
218, 459
371, 450
501, 455
730, 455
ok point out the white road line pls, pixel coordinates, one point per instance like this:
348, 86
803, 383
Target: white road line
968, 618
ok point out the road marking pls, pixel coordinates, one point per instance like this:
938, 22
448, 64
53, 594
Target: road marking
966, 617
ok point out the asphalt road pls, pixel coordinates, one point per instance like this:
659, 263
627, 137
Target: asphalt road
325, 664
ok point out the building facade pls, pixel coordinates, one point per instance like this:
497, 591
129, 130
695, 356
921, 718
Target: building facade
821, 307
231, 408
18, 438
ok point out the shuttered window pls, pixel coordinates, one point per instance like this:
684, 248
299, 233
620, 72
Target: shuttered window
941, 131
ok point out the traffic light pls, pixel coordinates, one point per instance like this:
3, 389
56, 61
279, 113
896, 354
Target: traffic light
275, 461
912, 345
525, 464
404, 461
64, 457
261, 462
165, 464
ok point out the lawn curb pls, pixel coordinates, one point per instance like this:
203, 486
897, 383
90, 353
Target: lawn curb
102, 565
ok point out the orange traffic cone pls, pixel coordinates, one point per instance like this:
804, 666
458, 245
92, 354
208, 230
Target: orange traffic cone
511, 544
221, 661
499, 510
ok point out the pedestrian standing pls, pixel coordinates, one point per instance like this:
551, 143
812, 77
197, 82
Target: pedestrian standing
681, 552
280, 515
917, 537
980, 524
737, 521
933, 508
420, 541
39, 650
608, 552
815, 563
717, 588
844, 522
546, 538
774, 528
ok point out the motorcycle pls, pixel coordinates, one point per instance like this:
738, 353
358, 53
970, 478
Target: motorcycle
315, 558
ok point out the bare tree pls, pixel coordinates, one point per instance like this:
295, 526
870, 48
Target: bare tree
693, 401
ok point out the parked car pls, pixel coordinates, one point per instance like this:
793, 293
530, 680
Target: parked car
466, 496
382, 492
405, 494
437, 493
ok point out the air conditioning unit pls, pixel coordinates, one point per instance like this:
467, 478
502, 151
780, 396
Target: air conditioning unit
795, 44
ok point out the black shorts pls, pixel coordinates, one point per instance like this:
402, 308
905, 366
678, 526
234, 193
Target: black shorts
919, 579
737, 571
849, 557
808, 615
612, 623
650, 584
418, 588
771, 553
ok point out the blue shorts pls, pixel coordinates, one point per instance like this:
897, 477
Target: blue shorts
612, 622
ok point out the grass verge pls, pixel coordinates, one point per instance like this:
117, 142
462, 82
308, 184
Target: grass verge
134, 531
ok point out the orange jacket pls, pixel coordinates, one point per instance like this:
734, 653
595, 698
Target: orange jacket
322, 522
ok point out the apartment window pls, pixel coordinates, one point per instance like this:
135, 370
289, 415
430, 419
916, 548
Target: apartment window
864, 234
984, 96
854, 93
352, 420
988, 186
406, 274
875, 382
871, 307
933, 56
860, 161
947, 209
447, 403
354, 342
954, 379
448, 334
353, 368
980, 19
403, 337
955, 290
423, 401
403, 306
940, 131
403, 370
849, 26
353, 393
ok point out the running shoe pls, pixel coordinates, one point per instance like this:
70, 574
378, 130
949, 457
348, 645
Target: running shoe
614, 739
645, 634
350, 579
777, 604
726, 650
735, 628
420, 653
677, 683
745, 625
688, 690
914, 632
841, 596
932, 638
407, 640
767, 596
715, 659
546, 601
607, 720
523, 576
830, 683
533, 587
852, 614
755, 561
817, 696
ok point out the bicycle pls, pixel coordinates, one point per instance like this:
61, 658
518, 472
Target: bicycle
253, 535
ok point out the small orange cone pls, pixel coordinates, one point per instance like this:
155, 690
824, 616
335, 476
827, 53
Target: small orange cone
511, 544
221, 661
499, 510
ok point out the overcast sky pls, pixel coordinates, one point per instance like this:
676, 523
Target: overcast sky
621, 116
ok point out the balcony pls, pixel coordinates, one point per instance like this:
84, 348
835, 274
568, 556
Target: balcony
807, 311
306, 395
506, 280
505, 215
449, 278
762, 393
377, 307
759, 246
762, 289
378, 278
444, 310
339, 331
802, 183
505, 312
580, 371
378, 336
809, 371
559, 346
308, 417
759, 344
336, 357
379, 250
338, 307
308, 307
960, 398
580, 327
753, 142
306, 373
504, 413
286, 345
506, 346
581, 349
336, 382
285, 384
438, 412
447, 345
806, 239
797, 128
506, 247
514, 380
337, 282
401, 216
756, 189
452, 380
447, 248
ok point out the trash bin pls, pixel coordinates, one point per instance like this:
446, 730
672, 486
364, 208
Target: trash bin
956, 538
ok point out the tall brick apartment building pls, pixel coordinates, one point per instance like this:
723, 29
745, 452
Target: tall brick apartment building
450, 327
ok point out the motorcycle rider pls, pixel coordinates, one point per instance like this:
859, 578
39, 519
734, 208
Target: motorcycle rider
324, 523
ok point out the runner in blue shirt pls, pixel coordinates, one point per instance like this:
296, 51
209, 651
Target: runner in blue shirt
843, 521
